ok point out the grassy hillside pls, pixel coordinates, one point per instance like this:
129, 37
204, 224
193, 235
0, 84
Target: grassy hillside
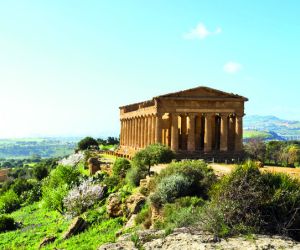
284, 129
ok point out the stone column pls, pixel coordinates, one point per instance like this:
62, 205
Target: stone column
138, 127
238, 133
149, 130
135, 132
208, 133
191, 133
145, 131
158, 128
224, 132
174, 132
130, 132
142, 131
153, 119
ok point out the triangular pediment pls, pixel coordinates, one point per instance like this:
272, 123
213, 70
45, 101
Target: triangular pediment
203, 92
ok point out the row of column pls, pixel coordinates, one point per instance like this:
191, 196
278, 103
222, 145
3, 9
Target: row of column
139, 132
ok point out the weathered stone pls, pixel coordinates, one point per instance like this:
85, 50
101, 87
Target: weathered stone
47, 240
124, 245
195, 239
78, 225
134, 203
94, 165
114, 205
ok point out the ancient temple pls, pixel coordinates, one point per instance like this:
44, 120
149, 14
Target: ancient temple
198, 123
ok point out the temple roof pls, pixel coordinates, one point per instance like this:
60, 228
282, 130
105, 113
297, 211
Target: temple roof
200, 92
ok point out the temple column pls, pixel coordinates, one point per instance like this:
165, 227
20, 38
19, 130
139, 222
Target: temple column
208, 133
139, 124
174, 132
238, 133
183, 132
142, 131
224, 132
130, 132
191, 133
149, 130
153, 119
146, 131
158, 126
125, 132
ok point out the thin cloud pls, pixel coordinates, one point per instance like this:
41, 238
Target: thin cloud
201, 32
232, 67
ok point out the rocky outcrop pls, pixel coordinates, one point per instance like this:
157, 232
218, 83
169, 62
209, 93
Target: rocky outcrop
134, 204
78, 225
94, 165
192, 239
47, 240
114, 205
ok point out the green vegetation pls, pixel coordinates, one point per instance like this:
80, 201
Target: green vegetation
274, 152
39, 201
42, 147
86, 143
250, 134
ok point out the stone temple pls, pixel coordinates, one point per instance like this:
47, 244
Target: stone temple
196, 123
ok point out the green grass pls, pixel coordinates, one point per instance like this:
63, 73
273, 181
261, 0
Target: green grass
39, 223
256, 134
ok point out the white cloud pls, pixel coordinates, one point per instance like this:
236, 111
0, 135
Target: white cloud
201, 32
232, 67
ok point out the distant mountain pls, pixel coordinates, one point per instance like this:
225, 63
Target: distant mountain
270, 128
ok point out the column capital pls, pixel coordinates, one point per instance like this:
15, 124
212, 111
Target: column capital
239, 115
209, 115
192, 115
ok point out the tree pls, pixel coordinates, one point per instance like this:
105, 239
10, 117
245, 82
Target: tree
290, 154
87, 143
152, 155
273, 149
256, 149
40, 172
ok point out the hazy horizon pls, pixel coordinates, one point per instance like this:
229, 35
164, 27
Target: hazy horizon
66, 67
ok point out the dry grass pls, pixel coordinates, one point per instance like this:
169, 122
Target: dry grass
222, 169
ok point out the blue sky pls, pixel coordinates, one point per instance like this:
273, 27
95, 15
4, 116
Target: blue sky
66, 66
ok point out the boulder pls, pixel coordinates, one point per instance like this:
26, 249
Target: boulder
78, 225
125, 245
94, 165
47, 240
134, 203
114, 205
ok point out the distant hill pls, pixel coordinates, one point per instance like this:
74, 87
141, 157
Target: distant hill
270, 128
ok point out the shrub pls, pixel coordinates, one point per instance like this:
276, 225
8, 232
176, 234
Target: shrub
34, 194
180, 214
120, 167
6, 223
9, 202
144, 217
153, 154
21, 185
40, 172
182, 179
56, 186
86, 143
248, 201
135, 174
170, 188
80, 198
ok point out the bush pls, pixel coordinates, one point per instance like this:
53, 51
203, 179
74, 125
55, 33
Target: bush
135, 174
248, 201
9, 202
144, 217
120, 167
182, 179
87, 143
34, 194
80, 198
21, 185
56, 186
170, 188
180, 214
40, 172
6, 223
